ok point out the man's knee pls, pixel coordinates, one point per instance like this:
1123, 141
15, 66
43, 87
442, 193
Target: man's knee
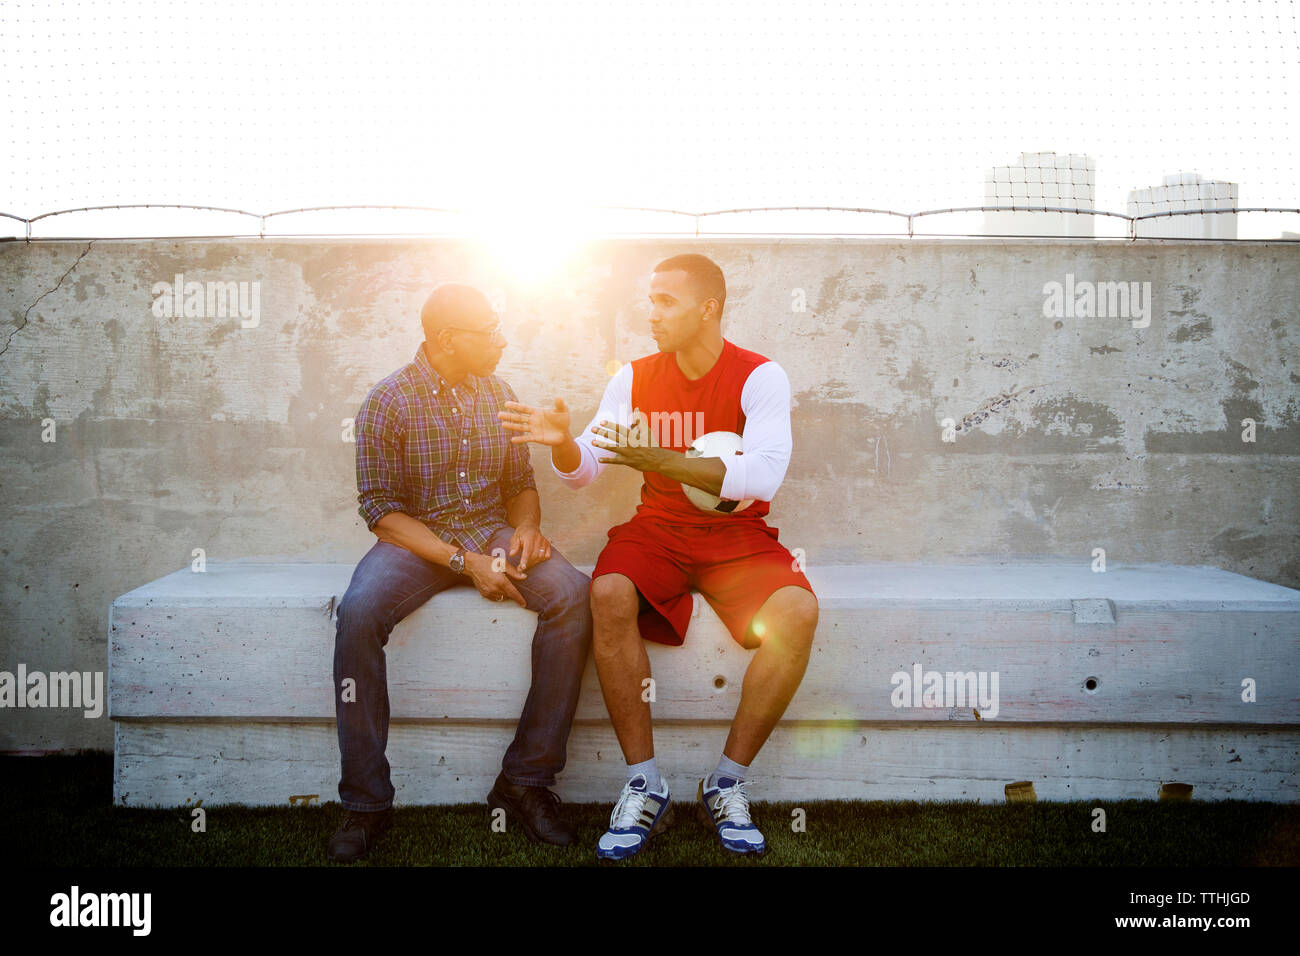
574, 592
614, 600
792, 613
361, 615
567, 603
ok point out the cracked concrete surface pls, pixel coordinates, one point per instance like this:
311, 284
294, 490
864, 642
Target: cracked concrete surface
22, 324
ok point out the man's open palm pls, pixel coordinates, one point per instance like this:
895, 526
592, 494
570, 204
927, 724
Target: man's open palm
542, 425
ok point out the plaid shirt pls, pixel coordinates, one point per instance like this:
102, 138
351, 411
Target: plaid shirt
438, 453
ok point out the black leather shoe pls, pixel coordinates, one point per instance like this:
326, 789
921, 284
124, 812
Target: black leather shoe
358, 834
535, 809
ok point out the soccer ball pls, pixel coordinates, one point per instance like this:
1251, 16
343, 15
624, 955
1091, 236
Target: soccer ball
714, 445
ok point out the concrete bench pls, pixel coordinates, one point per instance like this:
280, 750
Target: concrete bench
1107, 684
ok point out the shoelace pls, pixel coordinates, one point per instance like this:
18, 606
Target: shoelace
545, 801
628, 809
735, 803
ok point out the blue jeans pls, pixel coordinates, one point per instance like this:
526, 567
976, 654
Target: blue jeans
391, 582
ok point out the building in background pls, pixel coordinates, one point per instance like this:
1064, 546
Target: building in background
1042, 179
1186, 191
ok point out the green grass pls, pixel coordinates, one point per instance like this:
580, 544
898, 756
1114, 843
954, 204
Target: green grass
57, 812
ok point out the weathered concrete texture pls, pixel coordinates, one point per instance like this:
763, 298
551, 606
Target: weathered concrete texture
439, 762
1070, 433
1149, 650
1170, 645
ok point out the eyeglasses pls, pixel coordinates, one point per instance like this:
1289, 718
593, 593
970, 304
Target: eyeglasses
493, 332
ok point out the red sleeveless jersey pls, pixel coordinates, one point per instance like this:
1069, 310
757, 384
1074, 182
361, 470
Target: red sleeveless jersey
679, 411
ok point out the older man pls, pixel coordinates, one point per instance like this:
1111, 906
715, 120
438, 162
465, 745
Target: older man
442, 487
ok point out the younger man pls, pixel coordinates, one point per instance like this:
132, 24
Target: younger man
642, 581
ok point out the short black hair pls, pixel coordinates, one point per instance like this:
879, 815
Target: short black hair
706, 277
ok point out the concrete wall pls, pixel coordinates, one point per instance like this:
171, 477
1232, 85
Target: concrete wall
1069, 433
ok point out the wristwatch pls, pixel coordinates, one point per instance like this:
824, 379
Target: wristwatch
457, 562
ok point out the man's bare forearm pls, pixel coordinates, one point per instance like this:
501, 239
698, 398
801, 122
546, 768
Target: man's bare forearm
406, 532
705, 473
566, 456
524, 509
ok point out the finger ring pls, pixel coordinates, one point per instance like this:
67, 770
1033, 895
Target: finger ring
499, 597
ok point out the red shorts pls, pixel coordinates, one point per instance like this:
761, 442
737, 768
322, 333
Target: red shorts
736, 567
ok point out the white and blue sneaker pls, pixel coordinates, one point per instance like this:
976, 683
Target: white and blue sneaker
725, 808
639, 814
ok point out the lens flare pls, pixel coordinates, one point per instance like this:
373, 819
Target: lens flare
530, 242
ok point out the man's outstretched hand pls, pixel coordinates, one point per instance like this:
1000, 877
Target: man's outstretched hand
546, 426
633, 446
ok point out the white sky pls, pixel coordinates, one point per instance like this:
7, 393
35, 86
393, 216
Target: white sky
530, 108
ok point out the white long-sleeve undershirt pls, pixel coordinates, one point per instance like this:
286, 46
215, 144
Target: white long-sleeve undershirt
766, 441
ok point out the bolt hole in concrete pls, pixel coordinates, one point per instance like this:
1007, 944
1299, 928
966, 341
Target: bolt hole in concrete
1090, 685
719, 682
